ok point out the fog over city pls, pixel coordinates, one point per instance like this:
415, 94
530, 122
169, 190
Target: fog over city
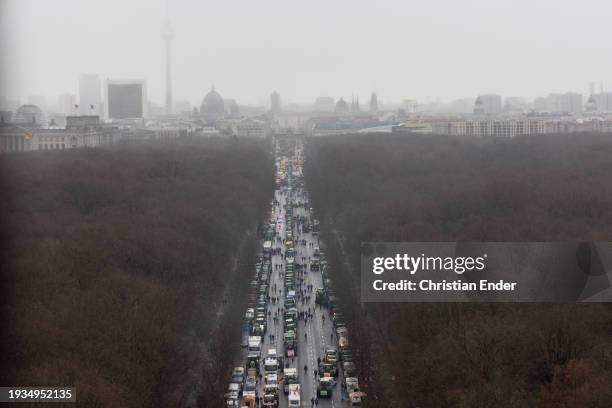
316, 203
442, 49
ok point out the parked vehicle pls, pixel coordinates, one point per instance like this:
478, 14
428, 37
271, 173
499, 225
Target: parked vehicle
255, 345
238, 375
270, 365
248, 399
253, 362
352, 384
290, 343
324, 387
235, 388
294, 396
290, 376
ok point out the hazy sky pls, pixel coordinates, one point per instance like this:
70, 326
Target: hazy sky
425, 49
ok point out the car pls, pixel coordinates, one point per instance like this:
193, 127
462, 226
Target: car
238, 374
235, 387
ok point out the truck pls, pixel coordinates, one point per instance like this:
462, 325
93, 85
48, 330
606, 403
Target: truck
324, 388
356, 398
248, 399
290, 301
270, 365
250, 385
291, 313
254, 345
316, 226
258, 328
272, 379
290, 376
289, 253
320, 296
328, 369
349, 369
235, 388
352, 384
267, 248
331, 355
270, 400
253, 362
290, 343
294, 396
290, 324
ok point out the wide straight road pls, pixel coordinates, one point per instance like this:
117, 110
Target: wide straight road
315, 334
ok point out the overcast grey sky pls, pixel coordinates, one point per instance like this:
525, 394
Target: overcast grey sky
247, 48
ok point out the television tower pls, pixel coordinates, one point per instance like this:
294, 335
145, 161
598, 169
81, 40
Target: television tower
167, 36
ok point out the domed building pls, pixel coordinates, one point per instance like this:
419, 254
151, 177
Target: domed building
212, 108
479, 108
591, 105
342, 107
29, 115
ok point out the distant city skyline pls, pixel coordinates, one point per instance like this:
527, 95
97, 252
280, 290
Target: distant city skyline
569, 102
443, 50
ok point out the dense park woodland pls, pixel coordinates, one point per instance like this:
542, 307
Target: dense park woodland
115, 263
430, 188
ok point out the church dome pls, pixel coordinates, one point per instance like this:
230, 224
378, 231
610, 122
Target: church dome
479, 108
591, 105
212, 107
341, 106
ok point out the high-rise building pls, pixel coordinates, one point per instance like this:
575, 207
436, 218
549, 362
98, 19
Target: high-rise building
539, 104
66, 104
275, 102
603, 101
567, 103
168, 35
570, 102
489, 104
373, 103
462, 105
515, 105
90, 100
125, 99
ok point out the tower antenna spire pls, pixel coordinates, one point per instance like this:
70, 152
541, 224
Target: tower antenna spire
167, 36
